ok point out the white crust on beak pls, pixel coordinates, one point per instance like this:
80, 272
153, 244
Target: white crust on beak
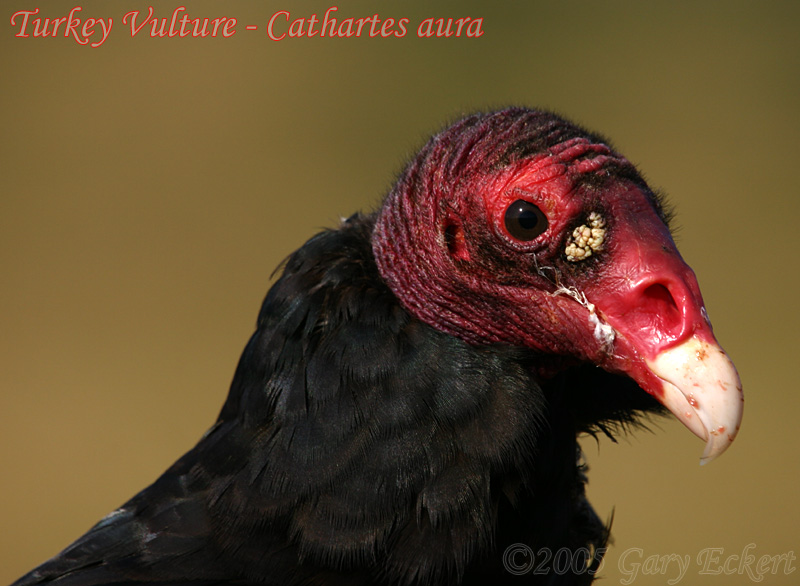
702, 389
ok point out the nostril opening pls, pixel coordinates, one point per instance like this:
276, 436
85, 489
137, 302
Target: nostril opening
660, 302
660, 294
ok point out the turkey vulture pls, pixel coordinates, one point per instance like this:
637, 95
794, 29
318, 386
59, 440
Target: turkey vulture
409, 404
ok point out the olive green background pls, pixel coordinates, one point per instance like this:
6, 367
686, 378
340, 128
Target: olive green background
149, 187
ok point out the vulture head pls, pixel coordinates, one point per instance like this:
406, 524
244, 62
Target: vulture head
520, 228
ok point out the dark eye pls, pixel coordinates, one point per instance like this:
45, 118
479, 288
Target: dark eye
524, 221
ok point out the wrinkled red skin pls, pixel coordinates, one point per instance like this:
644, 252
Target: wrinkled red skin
642, 287
486, 287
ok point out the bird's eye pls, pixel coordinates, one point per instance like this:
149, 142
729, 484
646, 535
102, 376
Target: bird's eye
525, 221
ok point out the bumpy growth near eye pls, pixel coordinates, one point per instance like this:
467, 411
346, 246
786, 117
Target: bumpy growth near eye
586, 239
524, 221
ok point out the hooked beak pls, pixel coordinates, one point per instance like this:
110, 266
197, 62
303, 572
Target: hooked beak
701, 387
685, 369
663, 338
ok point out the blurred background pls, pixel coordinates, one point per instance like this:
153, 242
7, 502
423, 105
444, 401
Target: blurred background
149, 187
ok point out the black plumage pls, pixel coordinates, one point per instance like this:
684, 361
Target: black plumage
361, 445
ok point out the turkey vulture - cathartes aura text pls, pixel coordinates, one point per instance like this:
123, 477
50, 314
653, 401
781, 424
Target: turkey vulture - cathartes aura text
409, 403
